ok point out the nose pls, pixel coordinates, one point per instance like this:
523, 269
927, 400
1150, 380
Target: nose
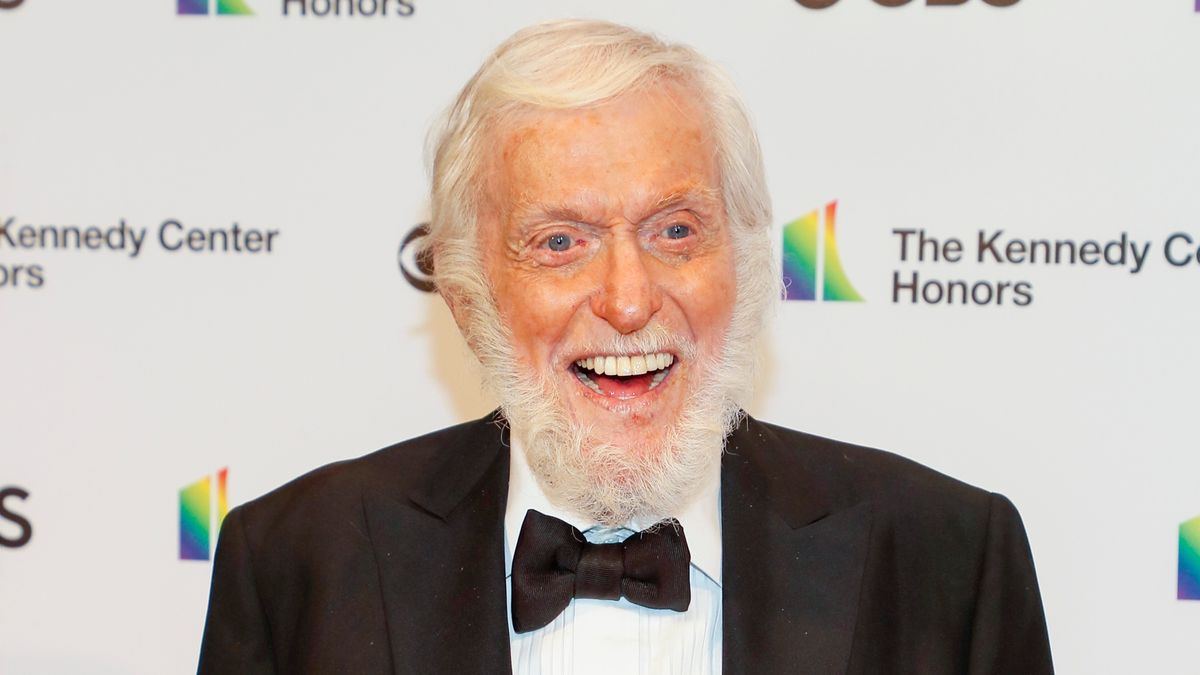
628, 296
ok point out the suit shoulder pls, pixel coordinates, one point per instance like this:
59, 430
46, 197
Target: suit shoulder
338, 486
852, 473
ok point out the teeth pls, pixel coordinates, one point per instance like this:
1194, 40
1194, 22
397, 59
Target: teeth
590, 384
658, 378
638, 364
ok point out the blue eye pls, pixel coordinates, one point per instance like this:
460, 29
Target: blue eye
559, 242
677, 231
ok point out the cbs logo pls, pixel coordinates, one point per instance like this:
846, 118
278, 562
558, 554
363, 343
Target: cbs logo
415, 262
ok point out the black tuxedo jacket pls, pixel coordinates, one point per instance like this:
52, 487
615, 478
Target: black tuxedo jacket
837, 559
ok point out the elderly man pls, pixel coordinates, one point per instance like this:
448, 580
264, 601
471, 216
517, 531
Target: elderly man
600, 234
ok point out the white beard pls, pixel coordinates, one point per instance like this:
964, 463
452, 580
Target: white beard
580, 471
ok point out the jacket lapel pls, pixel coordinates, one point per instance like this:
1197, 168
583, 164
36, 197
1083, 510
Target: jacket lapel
439, 547
793, 560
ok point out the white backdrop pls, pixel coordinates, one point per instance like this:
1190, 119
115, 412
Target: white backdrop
124, 379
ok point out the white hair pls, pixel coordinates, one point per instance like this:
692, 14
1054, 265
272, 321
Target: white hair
575, 64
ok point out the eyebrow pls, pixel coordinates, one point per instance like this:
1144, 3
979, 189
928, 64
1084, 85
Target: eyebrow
529, 212
706, 196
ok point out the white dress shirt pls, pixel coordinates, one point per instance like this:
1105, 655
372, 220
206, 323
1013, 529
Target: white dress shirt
607, 637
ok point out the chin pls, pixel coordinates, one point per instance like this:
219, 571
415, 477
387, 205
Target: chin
630, 444
618, 458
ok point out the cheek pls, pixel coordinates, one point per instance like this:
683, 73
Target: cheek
706, 297
537, 312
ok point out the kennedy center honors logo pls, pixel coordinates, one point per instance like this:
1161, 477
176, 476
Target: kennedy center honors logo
812, 269
201, 514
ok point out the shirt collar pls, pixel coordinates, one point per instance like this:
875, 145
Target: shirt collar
701, 518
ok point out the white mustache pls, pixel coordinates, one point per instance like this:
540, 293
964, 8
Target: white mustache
652, 339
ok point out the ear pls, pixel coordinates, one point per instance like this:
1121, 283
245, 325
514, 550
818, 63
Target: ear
458, 300
459, 307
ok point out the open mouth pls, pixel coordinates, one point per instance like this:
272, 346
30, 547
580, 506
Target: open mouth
623, 377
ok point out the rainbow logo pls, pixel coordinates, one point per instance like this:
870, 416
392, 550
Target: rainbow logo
811, 266
201, 7
198, 510
1189, 560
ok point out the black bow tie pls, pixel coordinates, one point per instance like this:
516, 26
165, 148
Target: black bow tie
553, 563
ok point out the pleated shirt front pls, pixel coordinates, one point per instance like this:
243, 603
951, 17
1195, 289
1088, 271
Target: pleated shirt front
607, 637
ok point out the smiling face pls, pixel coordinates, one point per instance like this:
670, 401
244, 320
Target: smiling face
605, 242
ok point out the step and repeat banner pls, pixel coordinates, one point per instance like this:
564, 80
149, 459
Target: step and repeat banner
988, 213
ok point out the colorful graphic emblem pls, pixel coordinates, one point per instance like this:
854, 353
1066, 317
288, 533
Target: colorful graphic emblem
811, 266
1189, 560
228, 7
198, 511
